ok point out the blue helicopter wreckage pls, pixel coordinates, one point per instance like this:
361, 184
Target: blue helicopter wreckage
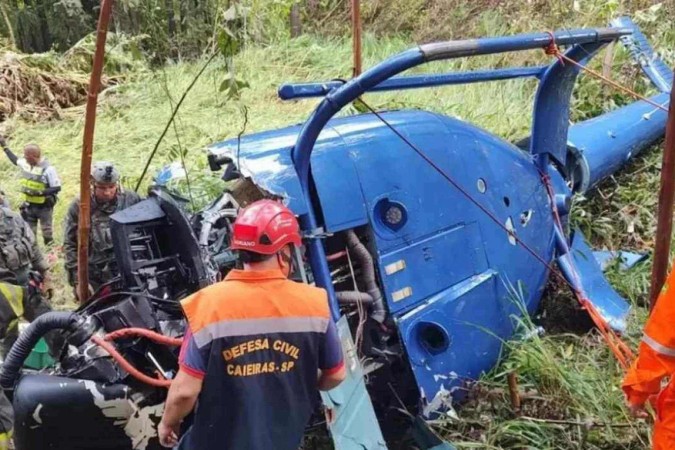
417, 224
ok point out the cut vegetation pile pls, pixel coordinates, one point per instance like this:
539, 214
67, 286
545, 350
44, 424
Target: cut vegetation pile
36, 93
41, 86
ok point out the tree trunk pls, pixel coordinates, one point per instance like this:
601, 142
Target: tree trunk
171, 19
41, 12
179, 13
8, 24
296, 22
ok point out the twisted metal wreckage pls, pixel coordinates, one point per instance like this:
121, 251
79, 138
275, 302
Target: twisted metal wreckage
418, 225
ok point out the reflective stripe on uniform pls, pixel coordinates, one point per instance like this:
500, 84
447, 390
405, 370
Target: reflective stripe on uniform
14, 296
247, 327
657, 347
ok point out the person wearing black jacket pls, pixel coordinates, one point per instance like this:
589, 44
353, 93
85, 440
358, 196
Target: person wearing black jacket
107, 197
23, 269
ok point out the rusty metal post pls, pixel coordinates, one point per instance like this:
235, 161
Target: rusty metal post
356, 30
514, 394
664, 225
84, 222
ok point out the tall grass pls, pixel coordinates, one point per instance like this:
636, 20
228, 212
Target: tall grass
569, 388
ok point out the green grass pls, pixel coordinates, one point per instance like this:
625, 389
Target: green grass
567, 377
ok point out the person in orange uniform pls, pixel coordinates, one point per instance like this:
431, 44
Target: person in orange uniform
257, 347
655, 362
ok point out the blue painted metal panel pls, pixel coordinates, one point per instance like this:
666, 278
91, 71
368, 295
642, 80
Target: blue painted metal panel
474, 159
444, 259
455, 336
338, 187
266, 158
319, 89
337, 99
626, 260
581, 269
389, 169
607, 142
638, 46
501, 44
550, 119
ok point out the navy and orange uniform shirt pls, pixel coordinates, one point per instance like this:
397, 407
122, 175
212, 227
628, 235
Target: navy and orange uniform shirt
257, 340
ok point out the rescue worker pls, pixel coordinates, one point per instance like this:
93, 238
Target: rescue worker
19, 255
40, 185
107, 198
19, 296
257, 348
655, 362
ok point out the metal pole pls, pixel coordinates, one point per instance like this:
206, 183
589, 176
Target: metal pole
84, 222
356, 29
664, 226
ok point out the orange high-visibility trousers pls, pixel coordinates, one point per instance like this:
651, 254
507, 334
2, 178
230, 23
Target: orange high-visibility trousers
655, 361
664, 427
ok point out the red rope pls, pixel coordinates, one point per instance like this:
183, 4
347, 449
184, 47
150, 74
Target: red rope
552, 48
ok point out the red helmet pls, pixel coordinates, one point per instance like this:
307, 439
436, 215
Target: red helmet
265, 227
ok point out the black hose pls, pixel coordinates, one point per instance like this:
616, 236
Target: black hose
362, 254
55, 320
